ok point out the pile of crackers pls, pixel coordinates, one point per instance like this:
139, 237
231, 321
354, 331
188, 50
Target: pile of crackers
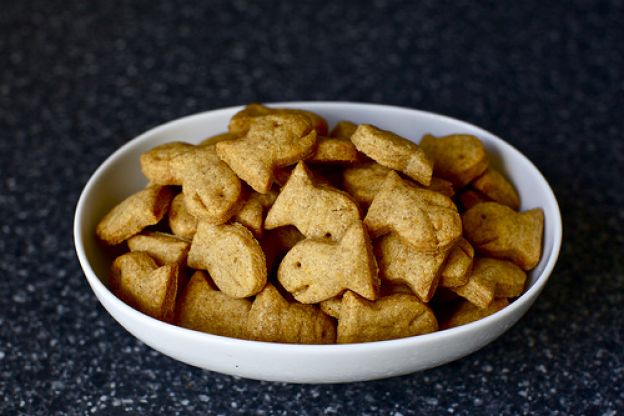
279, 230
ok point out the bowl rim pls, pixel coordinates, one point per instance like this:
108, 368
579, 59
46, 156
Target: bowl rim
100, 288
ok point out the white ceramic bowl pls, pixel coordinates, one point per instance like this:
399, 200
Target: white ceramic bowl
120, 175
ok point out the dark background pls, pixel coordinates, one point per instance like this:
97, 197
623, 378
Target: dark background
80, 78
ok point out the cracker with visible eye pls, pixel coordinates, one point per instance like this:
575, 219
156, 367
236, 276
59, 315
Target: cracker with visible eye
498, 231
204, 308
277, 242
272, 141
137, 280
393, 151
139, 210
241, 122
163, 247
272, 318
317, 210
426, 220
232, 257
316, 270
395, 316
459, 158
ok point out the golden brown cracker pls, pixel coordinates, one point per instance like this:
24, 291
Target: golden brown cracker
332, 150
241, 122
232, 257
393, 151
458, 265
363, 181
498, 231
343, 129
272, 318
139, 210
426, 220
395, 316
508, 278
496, 188
163, 247
479, 290
400, 263
492, 278
156, 163
181, 222
253, 211
137, 280
317, 210
316, 270
465, 312
459, 158
212, 191
204, 308
272, 141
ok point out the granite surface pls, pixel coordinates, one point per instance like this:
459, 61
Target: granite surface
80, 78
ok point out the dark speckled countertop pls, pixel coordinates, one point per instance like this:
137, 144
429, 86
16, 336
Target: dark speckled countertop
80, 78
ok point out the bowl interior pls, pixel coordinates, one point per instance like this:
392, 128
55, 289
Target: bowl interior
120, 175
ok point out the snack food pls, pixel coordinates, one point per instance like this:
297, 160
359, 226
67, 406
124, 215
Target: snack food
393, 151
351, 237
142, 209
232, 256
317, 210
273, 318
458, 158
137, 280
498, 231
346, 264
395, 316
272, 141
426, 220
400, 263
204, 308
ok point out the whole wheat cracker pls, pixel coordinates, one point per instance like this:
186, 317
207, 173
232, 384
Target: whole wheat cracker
204, 308
317, 210
232, 257
395, 316
137, 280
459, 158
498, 231
393, 151
139, 210
316, 270
426, 220
163, 247
272, 318
272, 141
